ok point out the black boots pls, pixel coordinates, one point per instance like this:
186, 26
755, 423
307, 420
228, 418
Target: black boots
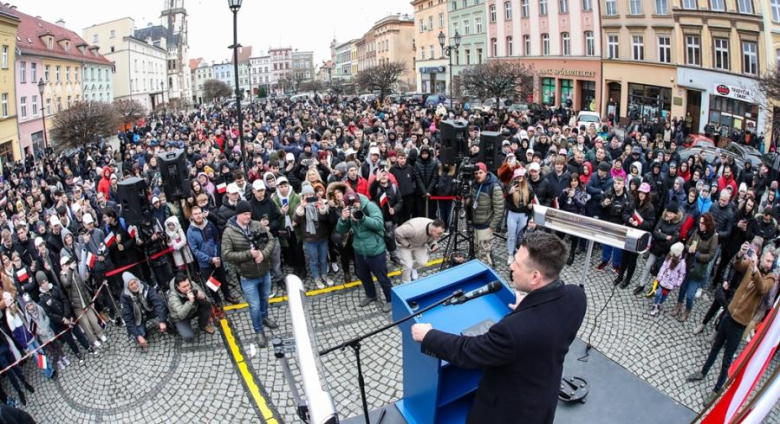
571, 257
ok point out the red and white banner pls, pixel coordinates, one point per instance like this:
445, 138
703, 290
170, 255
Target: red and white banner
21, 275
383, 200
110, 239
221, 188
555, 203
638, 218
747, 369
213, 284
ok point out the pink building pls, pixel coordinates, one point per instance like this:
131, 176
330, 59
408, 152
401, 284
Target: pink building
29, 70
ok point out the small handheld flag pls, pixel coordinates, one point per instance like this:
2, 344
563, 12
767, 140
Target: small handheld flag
132, 231
638, 218
22, 275
91, 260
535, 201
221, 188
213, 283
383, 200
110, 239
43, 363
555, 203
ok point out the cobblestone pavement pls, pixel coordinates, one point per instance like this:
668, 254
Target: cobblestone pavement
174, 382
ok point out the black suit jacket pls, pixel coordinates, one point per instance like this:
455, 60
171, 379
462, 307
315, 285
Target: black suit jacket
522, 356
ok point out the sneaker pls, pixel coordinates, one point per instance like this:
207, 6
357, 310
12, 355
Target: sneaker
654, 311
209, 329
638, 290
318, 283
261, 341
697, 376
65, 360
601, 266
81, 360
61, 364
616, 269
366, 300
334, 267
415, 275
698, 294
270, 324
699, 328
387, 307
97, 344
103, 338
328, 281
93, 352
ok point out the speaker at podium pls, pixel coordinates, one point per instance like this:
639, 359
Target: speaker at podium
434, 390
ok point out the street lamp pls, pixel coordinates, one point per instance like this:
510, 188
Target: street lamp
448, 51
235, 5
41, 87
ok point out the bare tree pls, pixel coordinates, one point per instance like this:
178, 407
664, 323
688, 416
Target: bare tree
83, 123
297, 81
769, 97
285, 83
498, 79
129, 111
215, 89
315, 86
381, 78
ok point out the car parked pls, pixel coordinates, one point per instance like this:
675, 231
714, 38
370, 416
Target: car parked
586, 118
698, 140
713, 154
435, 100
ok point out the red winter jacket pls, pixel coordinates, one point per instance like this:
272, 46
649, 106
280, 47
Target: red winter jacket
104, 185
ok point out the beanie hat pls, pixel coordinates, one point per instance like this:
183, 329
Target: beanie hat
482, 166
677, 249
673, 207
351, 165
307, 189
243, 207
604, 166
40, 276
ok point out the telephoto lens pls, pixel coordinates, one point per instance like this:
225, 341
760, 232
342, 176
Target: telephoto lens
357, 213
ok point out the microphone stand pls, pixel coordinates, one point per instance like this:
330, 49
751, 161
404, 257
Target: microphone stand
355, 345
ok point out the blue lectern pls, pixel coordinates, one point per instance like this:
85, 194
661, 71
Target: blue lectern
434, 390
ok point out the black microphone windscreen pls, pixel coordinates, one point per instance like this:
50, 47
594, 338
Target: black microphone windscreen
495, 286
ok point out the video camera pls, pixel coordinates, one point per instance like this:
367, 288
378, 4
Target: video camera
464, 178
258, 239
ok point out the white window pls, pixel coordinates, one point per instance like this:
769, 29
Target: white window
23, 72
23, 107
113, 33
612, 46
508, 10
545, 44
542, 7
46, 73
465, 3
4, 64
750, 57
478, 24
662, 7
468, 57
454, 28
722, 53
664, 49
494, 47
492, 10
693, 50
422, 25
689, 4
527, 44
5, 105
717, 5
67, 73
466, 26
48, 106
563, 6
586, 5
612, 7
441, 20
638, 47
35, 106
431, 50
33, 72
430, 23
775, 5
57, 73
422, 54
565, 44
94, 39
635, 7
590, 44
509, 46
745, 6
525, 8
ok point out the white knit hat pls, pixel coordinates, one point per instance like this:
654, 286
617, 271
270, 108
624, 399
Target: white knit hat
677, 249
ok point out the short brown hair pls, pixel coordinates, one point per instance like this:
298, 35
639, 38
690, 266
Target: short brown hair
547, 252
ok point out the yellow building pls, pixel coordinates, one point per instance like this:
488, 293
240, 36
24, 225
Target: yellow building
9, 134
63, 88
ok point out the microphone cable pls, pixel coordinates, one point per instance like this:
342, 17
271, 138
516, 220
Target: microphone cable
589, 345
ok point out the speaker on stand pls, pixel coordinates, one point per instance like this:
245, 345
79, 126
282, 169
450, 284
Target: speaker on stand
133, 200
490, 149
173, 170
454, 141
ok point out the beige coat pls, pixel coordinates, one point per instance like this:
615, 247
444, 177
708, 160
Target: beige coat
413, 234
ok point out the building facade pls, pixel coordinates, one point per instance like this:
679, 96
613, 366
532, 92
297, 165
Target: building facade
281, 62
10, 149
224, 72
467, 18
718, 83
140, 66
97, 79
343, 62
195, 84
303, 63
430, 64
260, 73
394, 38
366, 51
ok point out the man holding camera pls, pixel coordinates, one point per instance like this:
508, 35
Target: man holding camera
488, 204
364, 218
414, 238
252, 262
186, 300
265, 211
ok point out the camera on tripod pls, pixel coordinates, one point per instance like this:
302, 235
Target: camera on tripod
464, 178
258, 239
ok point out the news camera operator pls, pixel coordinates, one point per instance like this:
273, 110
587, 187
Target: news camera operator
487, 202
152, 240
248, 245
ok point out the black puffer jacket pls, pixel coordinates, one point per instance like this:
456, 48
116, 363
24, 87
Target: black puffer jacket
724, 219
426, 174
660, 245
405, 177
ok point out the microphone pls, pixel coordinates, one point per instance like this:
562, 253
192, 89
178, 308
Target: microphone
489, 288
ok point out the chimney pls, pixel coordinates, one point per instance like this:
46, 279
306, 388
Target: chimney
61, 22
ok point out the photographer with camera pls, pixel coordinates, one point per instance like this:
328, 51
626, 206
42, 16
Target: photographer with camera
616, 199
186, 300
364, 218
487, 202
264, 210
248, 245
311, 214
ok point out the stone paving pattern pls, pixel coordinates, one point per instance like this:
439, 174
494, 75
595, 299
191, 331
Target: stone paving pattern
174, 382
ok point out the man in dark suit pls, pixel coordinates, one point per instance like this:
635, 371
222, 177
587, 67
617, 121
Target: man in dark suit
522, 355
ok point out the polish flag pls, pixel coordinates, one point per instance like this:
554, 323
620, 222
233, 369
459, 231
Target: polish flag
132, 231
110, 239
43, 363
213, 284
22, 275
535, 200
91, 260
637, 218
221, 188
555, 203
383, 200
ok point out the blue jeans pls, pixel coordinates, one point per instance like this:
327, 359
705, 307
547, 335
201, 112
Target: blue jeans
660, 297
377, 265
688, 291
256, 292
515, 230
48, 372
608, 252
317, 251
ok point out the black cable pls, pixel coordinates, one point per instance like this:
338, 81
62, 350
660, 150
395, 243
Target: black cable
588, 346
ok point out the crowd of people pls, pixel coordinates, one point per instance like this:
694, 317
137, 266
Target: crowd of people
332, 186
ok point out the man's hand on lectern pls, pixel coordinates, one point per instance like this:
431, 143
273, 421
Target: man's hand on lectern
420, 330
519, 296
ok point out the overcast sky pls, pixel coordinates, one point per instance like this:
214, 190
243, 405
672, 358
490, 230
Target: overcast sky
302, 24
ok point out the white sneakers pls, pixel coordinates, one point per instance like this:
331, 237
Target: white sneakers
104, 338
328, 281
318, 283
334, 266
414, 274
698, 294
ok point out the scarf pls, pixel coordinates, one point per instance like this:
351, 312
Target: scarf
312, 217
141, 304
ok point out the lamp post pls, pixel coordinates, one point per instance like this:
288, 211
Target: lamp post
448, 51
235, 5
41, 88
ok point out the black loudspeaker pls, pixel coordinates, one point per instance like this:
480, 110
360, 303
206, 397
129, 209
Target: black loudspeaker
133, 201
490, 149
173, 170
454, 141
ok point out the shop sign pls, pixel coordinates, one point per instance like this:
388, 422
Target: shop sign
738, 93
432, 70
568, 73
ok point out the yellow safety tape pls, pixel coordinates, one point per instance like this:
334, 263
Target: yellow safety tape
325, 290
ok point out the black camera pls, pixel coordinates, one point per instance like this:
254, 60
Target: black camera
258, 239
357, 213
312, 199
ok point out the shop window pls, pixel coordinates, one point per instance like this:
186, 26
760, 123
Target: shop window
587, 94
567, 90
548, 91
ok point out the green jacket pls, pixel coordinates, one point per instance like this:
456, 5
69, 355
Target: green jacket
235, 249
295, 200
490, 204
179, 307
369, 232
